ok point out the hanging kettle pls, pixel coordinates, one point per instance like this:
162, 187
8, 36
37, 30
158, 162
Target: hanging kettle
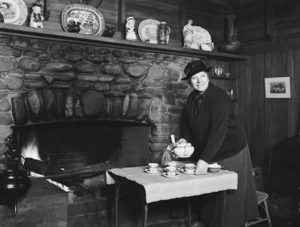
13, 185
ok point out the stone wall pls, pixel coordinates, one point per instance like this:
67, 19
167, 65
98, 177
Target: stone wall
43, 81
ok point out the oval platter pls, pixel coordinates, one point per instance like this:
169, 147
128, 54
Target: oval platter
14, 11
91, 19
148, 30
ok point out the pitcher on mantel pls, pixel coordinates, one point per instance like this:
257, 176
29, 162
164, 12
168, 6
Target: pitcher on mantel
231, 44
163, 33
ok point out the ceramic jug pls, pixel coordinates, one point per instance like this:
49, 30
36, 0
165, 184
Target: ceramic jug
163, 33
231, 44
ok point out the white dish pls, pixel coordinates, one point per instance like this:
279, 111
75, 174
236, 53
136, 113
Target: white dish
170, 176
14, 11
214, 165
91, 19
147, 171
148, 31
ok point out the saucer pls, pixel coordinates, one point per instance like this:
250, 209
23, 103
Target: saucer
147, 171
170, 176
189, 173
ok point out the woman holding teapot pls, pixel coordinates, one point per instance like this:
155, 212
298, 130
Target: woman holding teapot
213, 129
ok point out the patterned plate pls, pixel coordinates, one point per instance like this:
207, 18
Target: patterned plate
14, 11
148, 30
91, 19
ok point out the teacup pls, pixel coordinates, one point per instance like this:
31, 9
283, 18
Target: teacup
172, 164
153, 167
189, 167
170, 170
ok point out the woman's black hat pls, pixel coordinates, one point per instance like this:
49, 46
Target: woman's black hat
195, 67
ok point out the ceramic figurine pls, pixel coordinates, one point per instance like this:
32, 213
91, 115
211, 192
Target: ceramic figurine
196, 37
130, 24
36, 18
4, 8
188, 36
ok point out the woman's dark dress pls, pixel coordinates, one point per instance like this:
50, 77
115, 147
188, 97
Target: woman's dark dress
213, 129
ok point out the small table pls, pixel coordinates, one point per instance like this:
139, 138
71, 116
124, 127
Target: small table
155, 185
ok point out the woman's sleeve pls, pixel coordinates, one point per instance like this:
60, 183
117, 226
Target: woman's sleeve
219, 117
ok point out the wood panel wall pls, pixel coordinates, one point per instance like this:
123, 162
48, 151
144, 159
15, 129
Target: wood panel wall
268, 121
280, 17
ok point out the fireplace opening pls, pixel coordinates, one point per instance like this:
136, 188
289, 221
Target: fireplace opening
72, 145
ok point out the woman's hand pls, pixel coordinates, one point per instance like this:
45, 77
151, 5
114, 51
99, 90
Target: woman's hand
201, 167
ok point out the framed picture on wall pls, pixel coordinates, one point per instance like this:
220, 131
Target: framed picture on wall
278, 87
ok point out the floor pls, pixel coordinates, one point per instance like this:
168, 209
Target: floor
161, 215
172, 213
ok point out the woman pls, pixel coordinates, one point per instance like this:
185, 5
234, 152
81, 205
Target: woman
213, 129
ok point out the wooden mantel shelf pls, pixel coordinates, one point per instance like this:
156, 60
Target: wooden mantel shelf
52, 35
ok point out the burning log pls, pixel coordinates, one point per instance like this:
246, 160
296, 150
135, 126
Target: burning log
73, 178
41, 167
98, 168
49, 171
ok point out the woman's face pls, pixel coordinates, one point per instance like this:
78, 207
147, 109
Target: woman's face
200, 81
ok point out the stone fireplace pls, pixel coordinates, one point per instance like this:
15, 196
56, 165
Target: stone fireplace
49, 82
81, 98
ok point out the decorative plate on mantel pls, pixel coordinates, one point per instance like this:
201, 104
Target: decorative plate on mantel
14, 11
148, 30
91, 19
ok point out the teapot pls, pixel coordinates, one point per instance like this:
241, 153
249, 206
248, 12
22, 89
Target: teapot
183, 150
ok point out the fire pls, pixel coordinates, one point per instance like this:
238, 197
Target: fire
31, 151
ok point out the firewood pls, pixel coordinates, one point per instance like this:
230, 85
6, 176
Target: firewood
46, 169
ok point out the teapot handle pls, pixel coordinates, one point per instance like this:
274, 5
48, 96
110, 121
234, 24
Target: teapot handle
169, 29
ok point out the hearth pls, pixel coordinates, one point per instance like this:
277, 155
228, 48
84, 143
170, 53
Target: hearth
85, 150
73, 145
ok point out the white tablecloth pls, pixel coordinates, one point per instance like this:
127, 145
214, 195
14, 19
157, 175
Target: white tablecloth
158, 187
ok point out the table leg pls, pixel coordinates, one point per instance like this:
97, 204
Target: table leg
189, 212
145, 206
223, 207
116, 198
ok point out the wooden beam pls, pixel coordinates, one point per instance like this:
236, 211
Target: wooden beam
121, 14
269, 11
182, 6
47, 9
